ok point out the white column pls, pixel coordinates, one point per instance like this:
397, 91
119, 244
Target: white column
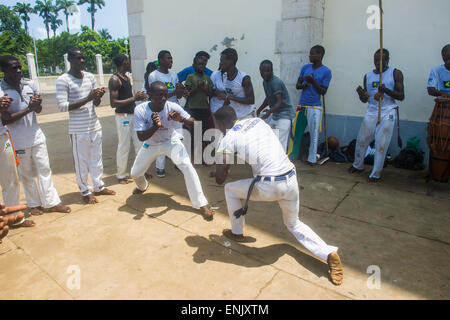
66, 62
100, 69
32, 69
300, 28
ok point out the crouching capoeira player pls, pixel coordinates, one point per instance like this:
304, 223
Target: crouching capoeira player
77, 94
275, 180
155, 123
29, 140
391, 90
9, 181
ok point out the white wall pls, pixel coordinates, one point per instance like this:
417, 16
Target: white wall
415, 32
186, 27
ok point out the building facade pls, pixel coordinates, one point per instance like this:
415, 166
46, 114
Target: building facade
284, 31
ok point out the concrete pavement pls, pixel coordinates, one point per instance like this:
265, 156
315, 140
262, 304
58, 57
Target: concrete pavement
155, 246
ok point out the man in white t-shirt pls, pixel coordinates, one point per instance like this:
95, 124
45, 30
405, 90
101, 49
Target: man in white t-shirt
9, 180
77, 93
29, 140
175, 91
275, 180
238, 86
156, 123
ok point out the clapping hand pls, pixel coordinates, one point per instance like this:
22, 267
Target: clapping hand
309, 79
176, 116
156, 120
5, 102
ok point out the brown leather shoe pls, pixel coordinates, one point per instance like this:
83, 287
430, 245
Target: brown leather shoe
336, 271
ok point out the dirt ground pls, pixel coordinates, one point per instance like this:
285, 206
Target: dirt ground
155, 246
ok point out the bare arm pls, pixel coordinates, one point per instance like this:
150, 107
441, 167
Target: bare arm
399, 88
34, 106
300, 84
436, 93
262, 107
249, 93
362, 93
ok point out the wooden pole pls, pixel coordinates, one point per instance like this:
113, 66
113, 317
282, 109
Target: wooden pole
381, 59
325, 123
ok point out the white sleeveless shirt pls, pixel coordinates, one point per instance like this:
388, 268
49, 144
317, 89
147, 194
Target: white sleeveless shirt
235, 88
372, 84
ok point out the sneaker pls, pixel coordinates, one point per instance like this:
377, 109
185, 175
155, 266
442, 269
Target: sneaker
161, 173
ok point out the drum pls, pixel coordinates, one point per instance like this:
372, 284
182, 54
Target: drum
439, 140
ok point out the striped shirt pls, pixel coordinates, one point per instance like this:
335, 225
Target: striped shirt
70, 89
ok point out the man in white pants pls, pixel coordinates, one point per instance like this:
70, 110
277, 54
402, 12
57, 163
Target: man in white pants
156, 123
29, 140
77, 94
275, 180
281, 112
124, 102
175, 92
9, 180
392, 89
314, 80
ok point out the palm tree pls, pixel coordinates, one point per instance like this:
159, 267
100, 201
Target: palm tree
64, 5
92, 8
45, 9
24, 10
104, 33
55, 22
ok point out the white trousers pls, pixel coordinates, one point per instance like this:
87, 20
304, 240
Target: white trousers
125, 134
44, 194
282, 127
287, 195
9, 180
383, 135
87, 155
176, 151
314, 117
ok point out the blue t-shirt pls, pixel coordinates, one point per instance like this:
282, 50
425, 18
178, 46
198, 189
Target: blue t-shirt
440, 79
310, 97
183, 74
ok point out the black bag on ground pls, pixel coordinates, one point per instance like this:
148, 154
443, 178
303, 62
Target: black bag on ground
411, 159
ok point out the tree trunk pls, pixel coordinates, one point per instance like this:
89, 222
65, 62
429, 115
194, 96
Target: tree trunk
26, 27
67, 23
48, 30
92, 15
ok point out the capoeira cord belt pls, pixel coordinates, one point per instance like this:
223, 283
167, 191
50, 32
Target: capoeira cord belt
243, 211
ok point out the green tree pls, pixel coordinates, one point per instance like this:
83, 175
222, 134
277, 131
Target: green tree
104, 33
55, 22
64, 5
9, 21
45, 9
92, 9
24, 10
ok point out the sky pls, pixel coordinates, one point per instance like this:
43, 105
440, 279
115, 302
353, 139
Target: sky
112, 17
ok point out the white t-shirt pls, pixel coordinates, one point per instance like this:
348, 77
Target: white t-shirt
25, 132
217, 81
254, 142
235, 88
170, 80
70, 89
168, 132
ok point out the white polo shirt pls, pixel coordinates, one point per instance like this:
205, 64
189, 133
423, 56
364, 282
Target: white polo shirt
254, 142
168, 132
25, 132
